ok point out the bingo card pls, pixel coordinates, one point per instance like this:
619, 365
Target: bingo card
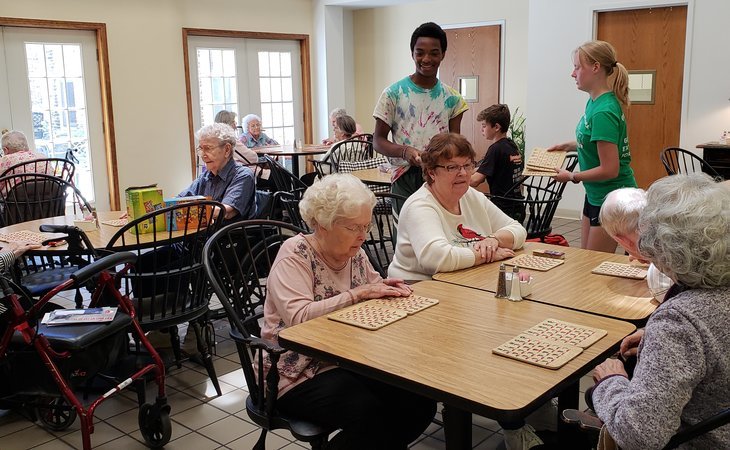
620, 270
539, 263
529, 349
542, 160
411, 304
115, 222
367, 315
24, 236
566, 333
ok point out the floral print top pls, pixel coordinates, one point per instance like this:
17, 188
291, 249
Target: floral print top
302, 287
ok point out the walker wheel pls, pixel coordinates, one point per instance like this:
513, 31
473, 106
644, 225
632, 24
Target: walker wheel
55, 413
155, 425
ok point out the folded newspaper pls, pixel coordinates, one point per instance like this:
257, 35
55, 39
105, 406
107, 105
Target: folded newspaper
77, 316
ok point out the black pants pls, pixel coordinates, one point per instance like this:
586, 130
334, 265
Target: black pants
370, 414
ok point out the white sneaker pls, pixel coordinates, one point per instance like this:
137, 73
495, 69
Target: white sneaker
521, 438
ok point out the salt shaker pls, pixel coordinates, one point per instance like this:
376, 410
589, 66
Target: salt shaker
514, 293
501, 283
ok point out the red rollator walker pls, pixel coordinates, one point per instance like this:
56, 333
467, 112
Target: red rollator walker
44, 368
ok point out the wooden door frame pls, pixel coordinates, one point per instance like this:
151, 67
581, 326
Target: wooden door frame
303, 40
502, 34
107, 115
643, 4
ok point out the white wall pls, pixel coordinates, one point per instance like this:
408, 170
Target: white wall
382, 37
554, 104
146, 62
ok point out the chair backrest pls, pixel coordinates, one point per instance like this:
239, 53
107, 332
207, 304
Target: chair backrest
677, 160
167, 284
290, 205
380, 243
371, 163
32, 196
57, 167
237, 261
353, 149
283, 179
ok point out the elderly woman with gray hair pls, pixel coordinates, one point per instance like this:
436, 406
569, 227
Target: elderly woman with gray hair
316, 274
225, 180
252, 136
683, 370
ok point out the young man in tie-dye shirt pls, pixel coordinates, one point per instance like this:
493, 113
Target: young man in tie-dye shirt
415, 109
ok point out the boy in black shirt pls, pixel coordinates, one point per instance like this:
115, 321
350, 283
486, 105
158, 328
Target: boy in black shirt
502, 165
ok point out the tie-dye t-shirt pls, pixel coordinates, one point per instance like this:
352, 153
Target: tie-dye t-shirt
415, 114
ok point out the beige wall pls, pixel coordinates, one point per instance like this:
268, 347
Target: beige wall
382, 38
146, 61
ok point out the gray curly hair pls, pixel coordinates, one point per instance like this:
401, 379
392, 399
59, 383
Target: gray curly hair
336, 196
221, 131
248, 118
685, 230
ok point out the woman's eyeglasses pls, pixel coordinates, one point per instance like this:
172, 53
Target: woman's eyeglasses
365, 229
451, 168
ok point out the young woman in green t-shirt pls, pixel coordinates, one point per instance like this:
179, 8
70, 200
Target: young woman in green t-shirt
602, 140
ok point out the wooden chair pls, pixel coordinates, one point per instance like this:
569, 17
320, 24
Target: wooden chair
167, 284
57, 167
380, 244
237, 261
541, 196
32, 196
677, 160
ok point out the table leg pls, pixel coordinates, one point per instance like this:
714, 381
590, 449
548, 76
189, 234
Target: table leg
295, 165
568, 399
457, 428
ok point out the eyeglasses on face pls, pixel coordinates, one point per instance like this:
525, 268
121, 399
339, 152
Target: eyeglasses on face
365, 229
208, 149
451, 168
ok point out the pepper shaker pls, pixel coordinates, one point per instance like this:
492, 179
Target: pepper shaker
501, 283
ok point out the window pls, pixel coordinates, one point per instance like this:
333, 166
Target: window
276, 91
217, 82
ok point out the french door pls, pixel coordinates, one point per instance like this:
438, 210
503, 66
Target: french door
50, 90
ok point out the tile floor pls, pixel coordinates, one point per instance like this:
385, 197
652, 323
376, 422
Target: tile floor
203, 421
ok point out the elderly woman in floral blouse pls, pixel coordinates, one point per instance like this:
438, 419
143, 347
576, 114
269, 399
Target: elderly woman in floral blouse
316, 274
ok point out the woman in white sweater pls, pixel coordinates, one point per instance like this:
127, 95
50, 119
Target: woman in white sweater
447, 225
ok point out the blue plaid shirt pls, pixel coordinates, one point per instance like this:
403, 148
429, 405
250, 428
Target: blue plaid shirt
234, 186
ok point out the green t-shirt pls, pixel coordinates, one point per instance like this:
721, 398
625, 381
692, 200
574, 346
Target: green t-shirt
603, 120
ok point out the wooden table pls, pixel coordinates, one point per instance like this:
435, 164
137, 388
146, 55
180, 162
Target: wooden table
717, 155
571, 285
444, 353
373, 176
295, 153
99, 238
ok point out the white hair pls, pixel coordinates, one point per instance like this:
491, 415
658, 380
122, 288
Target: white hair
227, 117
685, 230
619, 214
15, 141
221, 131
248, 119
336, 196
337, 112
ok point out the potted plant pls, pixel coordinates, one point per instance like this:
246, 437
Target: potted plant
517, 131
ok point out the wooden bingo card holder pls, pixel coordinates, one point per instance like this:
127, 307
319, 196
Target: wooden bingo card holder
367, 315
543, 163
529, 349
24, 236
620, 270
533, 262
411, 304
115, 222
566, 333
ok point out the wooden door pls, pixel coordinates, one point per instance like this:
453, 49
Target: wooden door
474, 51
650, 39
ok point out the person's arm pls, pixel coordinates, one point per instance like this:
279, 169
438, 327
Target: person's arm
7, 259
508, 232
607, 169
569, 146
239, 197
476, 179
455, 123
385, 147
191, 190
645, 412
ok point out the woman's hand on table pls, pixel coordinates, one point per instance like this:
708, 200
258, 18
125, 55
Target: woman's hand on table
630, 344
18, 248
488, 250
609, 367
390, 287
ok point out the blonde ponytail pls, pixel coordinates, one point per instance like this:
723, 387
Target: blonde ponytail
621, 84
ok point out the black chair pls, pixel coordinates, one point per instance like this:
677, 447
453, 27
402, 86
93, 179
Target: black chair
541, 196
289, 204
57, 167
167, 285
357, 148
677, 160
237, 261
380, 243
32, 196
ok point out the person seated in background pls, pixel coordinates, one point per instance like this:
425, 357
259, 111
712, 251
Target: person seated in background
16, 150
312, 276
447, 225
225, 180
344, 128
502, 164
683, 370
337, 112
252, 136
620, 218
243, 154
